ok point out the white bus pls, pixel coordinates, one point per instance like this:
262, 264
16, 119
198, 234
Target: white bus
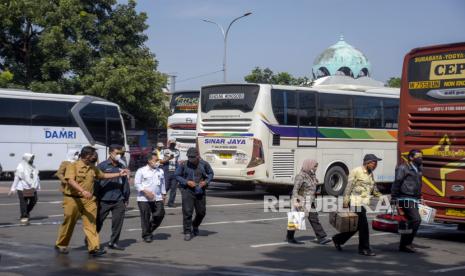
48, 125
261, 133
183, 120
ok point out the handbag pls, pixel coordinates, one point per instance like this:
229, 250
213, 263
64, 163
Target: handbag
29, 192
296, 220
392, 223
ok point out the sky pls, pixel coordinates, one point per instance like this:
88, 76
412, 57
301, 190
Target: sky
287, 35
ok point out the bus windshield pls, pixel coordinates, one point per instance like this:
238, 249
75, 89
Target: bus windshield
184, 102
229, 97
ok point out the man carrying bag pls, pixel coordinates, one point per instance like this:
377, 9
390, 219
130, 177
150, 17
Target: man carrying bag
406, 194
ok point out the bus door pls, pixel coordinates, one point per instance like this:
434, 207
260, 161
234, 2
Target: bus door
307, 130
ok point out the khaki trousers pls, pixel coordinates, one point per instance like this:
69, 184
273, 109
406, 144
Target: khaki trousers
75, 208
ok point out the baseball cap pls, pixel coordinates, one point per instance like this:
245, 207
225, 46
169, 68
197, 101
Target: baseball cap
371, 157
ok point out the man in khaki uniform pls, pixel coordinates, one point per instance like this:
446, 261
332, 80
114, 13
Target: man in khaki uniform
79, 201
73, 155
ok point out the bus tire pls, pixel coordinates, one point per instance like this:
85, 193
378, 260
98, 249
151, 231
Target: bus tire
335, 181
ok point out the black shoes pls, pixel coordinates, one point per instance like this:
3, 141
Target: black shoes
188, 237
366, 252
148, 239
61, 250
407, 249
97, 252
195, 231
337, 245
115, 246
290, 238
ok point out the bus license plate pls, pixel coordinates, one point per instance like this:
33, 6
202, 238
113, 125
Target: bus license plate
225, 156
455, 212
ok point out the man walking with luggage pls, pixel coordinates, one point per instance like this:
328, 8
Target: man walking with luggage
194, 177
112, 195
360, 187
406, 194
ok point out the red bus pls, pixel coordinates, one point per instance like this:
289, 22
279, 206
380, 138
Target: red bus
432, 119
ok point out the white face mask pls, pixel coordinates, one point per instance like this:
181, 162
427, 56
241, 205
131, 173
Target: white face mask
117, 157
157, 165
75, 157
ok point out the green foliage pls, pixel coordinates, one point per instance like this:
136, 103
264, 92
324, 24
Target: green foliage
5, 78
83, 47
259, 75
393, 82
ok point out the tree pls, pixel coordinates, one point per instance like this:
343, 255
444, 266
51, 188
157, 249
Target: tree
393, 82
259, 75
92, 47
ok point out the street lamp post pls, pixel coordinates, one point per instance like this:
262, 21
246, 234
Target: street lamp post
225, 39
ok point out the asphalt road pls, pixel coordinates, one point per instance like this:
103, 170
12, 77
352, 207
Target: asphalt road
236, 238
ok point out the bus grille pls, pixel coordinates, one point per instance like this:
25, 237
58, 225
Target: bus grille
226, 125
283, 164
437, 122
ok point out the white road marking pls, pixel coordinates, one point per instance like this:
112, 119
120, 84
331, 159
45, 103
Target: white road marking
442, 270
215, 223
285, 243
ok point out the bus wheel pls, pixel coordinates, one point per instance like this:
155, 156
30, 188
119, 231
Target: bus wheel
335, 181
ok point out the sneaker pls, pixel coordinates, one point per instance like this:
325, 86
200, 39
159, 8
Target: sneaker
366, 252
61, 250
24, 221
195, 231
115, 246
187, 237
148, 239
407, 249
323, 241
97, 252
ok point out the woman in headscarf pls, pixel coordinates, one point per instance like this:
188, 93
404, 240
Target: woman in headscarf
303, 200
26, 184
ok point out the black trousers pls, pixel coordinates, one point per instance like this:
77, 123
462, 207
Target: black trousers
191, 202
26, 204
171, 186
410, 209
117, 209
363, 232
151, 216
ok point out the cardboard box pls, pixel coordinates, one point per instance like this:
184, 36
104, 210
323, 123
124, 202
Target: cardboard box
344, 221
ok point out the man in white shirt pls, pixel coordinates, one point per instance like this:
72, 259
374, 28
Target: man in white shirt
151, 193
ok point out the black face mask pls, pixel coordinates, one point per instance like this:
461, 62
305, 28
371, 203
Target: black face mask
418, 162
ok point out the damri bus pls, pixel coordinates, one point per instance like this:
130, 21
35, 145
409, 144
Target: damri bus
48, 125
183, 119
261, 133
432, 119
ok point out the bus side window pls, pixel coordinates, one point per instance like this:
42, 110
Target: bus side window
390, 112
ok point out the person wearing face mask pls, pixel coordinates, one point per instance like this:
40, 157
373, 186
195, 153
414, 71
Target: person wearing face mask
112, 195
26, 183
170, 164
360, 187
406, 194
72, 156
303, 199
159, 150
194, 177
79, 202
149, 182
